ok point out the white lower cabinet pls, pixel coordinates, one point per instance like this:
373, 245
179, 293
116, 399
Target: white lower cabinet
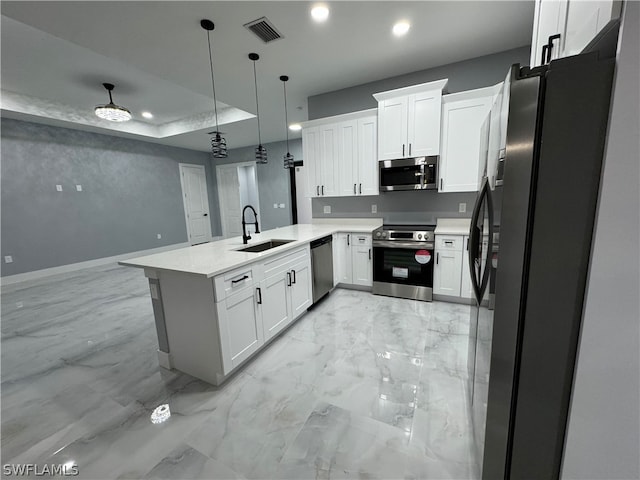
353, 259
240, 326
301, 291
272, 298
447, 270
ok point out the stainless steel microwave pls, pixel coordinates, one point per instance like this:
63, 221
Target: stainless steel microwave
419, 173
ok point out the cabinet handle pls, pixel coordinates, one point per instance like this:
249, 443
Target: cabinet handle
409, 149
403, 149
293, 272
440, 184
240, 279
360, 189
437, 258
545, 49
552, 38
322, 189
259, 292
348, 239
288, 279
369, 254
467, 247
317, 190
354, 188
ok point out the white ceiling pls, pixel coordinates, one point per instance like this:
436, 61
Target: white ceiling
56, 55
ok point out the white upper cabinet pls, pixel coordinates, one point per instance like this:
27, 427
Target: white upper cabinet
465, 136
340, 155
409, 121
567, 26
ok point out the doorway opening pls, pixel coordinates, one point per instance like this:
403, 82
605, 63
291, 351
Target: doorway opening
195, 199
237, 187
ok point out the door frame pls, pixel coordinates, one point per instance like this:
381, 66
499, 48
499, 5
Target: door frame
181, 167
220, 201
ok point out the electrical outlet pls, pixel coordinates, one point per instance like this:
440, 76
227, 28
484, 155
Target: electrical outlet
8, 259
58, 188
159, 236
327, 209
374, 208
282, 205
79, 188
462, 207
275, 205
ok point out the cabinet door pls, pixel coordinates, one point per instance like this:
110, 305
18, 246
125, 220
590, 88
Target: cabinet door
300, 290
329, 172
367, 164
446, 273
348, 158
392, 128
362, 265
311, 160
342, 258
241, 327
276, 312
424, 112
460, 160
549, 19
584, 21
465, 286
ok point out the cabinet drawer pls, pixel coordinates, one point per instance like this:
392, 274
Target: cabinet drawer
234, 281
274, 264
449, 243
360, 239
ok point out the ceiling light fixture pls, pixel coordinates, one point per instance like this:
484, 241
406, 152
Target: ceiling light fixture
147, 115
218, 142
288, 158
295, 127
320, 13
401, 28
111, 111
261, 151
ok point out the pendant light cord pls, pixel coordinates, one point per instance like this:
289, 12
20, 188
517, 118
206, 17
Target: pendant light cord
286, 118
213, 84
255, 82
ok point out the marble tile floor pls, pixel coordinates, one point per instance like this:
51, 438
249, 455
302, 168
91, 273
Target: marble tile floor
361, 386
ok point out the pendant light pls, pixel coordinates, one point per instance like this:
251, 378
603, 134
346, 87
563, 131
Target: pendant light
288, 158
261, 152
111, 111
218, 142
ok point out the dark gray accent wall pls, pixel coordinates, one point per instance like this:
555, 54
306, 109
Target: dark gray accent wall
273, 180
417, 207
467, 75
131, 192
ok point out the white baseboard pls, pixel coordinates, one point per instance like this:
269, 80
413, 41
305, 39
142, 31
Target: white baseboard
72, 267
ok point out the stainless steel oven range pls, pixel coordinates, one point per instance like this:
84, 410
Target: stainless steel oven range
403, 261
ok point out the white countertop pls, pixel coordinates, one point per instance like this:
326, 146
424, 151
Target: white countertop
213, 258
453, 226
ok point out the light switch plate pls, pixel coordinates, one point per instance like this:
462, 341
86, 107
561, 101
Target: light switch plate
282, 205
374, 208
462, 207
275, 205
327, 209
59, 188
8, 259
159, 236
79, 188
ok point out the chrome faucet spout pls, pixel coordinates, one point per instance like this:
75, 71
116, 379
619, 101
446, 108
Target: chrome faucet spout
245, 236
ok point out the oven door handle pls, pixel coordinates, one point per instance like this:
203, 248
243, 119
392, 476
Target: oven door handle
411, 245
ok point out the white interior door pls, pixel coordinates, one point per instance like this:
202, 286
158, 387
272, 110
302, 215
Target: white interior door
303, 197
196, 202
237, 183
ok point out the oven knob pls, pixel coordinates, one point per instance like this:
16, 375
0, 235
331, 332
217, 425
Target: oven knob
419, 236
384, 234
378, 234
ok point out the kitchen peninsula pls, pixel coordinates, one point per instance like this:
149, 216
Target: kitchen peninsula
216, 305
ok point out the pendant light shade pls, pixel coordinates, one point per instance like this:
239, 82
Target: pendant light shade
218, 142
111, 111
288, 158
261, 151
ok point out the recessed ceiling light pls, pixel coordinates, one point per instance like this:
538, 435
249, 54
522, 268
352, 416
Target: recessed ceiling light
401, 28
147, 114
295, 127
320, 13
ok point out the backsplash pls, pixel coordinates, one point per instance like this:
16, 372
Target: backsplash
398, 207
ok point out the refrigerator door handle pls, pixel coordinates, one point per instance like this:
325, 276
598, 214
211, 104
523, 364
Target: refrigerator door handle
474, 239
487, 263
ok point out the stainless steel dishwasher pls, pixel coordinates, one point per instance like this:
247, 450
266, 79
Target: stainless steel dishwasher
322, 265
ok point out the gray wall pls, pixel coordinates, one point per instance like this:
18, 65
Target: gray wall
603, 431
397, 207
273, 180
131, 192
467, 75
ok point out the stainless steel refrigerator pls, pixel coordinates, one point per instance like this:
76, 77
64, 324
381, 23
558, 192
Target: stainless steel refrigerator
529, 252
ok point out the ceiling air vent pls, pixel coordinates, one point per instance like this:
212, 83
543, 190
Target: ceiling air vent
264, 29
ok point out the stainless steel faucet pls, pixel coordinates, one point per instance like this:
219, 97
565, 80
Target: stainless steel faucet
245, 236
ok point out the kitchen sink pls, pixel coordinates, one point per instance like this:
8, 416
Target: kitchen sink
261, 247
